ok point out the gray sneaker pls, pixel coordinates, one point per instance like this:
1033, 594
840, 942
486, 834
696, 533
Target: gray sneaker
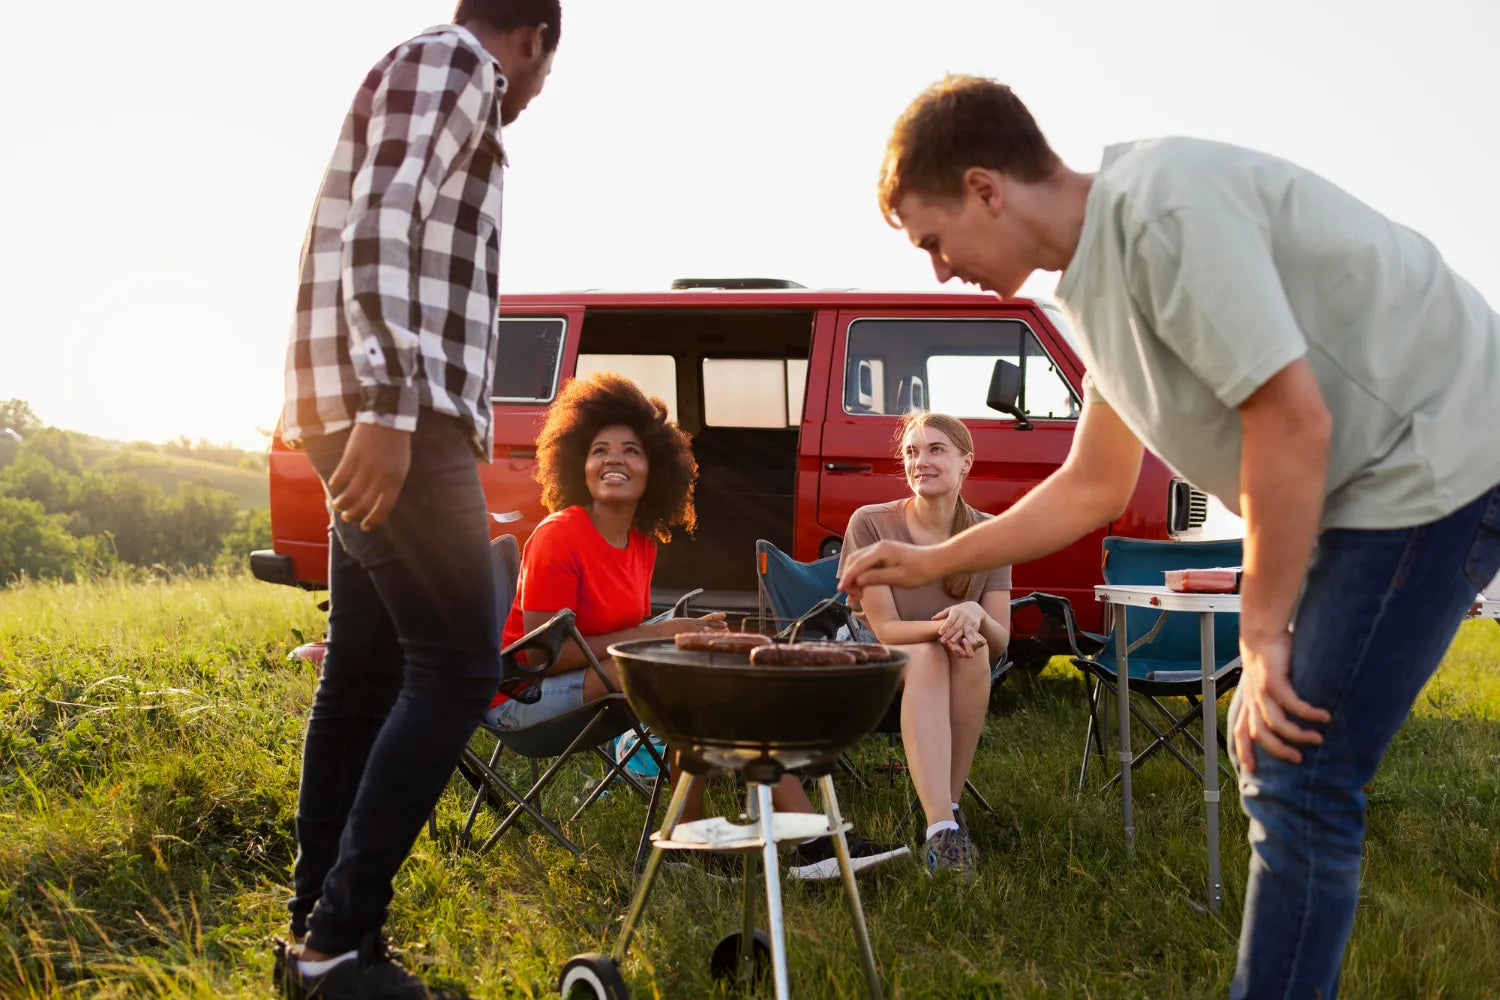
951, 851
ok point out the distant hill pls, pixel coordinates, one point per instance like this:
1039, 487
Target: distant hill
250, 486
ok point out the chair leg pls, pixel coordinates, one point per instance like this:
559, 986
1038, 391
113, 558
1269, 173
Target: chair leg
528, 804
852, 771
1161, 741
481, 789
1094, 734
974, 794
522, 804
650, 824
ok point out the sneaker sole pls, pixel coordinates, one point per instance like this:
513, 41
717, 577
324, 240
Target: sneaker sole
827, 869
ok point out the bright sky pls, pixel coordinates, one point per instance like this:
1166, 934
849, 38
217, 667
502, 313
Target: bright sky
161, 170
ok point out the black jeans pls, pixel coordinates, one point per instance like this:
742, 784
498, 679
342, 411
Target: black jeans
412, 662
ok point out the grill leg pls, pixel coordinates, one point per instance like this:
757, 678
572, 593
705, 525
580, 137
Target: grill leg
773, 892
653, 865
851, 891
747, 932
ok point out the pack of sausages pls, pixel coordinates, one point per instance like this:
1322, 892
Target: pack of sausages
1215, 580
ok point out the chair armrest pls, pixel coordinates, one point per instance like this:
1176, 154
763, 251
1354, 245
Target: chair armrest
822, 620
548, 639
1057, 615
685, 603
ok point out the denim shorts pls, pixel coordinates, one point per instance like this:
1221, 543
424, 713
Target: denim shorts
555, 695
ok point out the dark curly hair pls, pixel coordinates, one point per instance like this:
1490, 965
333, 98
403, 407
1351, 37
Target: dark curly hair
581, 410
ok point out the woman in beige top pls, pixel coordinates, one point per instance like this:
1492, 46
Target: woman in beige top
952, 630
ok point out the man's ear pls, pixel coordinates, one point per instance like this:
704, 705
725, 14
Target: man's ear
534, 42
985, 185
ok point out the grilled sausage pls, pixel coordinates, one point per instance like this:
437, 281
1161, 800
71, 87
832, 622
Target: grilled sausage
802, 655
864, 652
721, 642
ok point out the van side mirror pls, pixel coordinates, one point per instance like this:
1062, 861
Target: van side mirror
1005, 390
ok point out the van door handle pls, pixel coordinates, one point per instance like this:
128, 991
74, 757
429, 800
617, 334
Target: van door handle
847, 467
520, 453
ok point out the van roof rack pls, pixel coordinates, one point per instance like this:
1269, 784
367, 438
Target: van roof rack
737, 284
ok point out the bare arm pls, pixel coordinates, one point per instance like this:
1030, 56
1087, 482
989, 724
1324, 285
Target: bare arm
880, 611
1091, 488
1283, 465
996, 625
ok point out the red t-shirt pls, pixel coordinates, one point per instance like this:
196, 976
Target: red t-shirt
567, 564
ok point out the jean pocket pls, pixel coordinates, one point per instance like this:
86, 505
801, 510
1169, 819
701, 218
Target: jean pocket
1484, 555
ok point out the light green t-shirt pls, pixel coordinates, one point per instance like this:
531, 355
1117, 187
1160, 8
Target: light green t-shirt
1203, 269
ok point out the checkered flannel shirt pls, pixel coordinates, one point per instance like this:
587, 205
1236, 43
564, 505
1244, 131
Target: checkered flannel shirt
398, 299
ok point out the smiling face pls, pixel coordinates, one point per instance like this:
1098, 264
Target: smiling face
970, 238
935, 466
615, 467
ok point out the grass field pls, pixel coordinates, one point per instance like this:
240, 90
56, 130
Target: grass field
149, 746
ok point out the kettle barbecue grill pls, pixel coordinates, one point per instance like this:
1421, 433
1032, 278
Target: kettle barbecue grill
718, 710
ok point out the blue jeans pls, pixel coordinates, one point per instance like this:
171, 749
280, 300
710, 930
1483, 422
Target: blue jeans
1378, 614
412, 662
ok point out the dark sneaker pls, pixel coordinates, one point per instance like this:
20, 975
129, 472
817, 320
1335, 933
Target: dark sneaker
372, 975
951, 851
815, 860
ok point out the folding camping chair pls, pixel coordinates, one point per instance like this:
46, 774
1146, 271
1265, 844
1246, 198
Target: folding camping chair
1163, 650
586, 728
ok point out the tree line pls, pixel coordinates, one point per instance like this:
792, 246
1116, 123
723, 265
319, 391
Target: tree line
62, 519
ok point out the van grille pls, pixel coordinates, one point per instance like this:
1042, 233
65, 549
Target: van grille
1197, 508
1187, 507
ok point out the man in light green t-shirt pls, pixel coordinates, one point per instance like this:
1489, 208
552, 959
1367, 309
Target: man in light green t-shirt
1311, 363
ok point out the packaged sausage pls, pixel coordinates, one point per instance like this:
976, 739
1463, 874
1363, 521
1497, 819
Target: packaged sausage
1217, 580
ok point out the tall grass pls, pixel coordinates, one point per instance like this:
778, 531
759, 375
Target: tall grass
149, 744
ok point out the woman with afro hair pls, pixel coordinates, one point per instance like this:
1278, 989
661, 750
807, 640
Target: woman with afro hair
618, 476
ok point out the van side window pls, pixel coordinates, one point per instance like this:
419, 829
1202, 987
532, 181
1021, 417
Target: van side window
753, 392
895, 365
655, 374
526, 359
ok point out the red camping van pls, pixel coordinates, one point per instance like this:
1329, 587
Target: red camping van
793, 397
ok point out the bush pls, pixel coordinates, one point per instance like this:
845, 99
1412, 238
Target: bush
34, 544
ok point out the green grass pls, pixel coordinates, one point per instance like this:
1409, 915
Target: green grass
149, 746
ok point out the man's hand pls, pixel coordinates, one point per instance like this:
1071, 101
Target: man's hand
1267, 703
369, 476
890, 564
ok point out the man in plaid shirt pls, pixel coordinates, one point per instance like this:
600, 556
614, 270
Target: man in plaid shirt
388, 390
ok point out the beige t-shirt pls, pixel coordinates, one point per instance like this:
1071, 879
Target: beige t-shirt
1203, 269
875, 522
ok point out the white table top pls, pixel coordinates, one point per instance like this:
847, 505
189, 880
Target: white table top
1167, 600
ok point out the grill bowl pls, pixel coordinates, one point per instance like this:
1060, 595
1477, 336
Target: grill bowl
719, 710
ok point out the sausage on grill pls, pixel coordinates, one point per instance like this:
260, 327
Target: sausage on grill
802, 655
721, 642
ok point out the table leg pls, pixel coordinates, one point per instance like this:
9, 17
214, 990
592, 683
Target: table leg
1211, 759
1122, 688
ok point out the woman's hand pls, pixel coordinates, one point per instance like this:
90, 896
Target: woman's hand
959, 628
712, 622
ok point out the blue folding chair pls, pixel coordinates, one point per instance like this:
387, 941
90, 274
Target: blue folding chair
789, 590
1163, 648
